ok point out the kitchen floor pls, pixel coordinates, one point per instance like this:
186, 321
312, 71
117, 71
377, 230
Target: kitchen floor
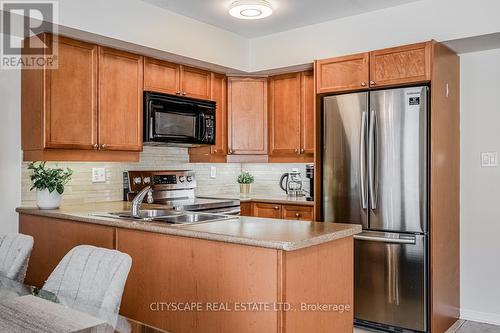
460, 327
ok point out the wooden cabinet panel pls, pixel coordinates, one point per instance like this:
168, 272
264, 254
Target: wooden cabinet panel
399, 65
219, 95
195, 82
297, 212
247, 116
54, 238
246, 208
161, 76
342, 73
307, 113
71, 97
284, 114
120, 100
260, 209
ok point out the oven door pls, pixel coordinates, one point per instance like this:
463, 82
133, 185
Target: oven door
173, 121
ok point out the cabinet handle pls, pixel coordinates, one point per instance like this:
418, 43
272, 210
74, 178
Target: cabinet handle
230, 151
296, 150
363, 84
276, 207
178, 92
297, 214
104, 146
216, 151
372, 83
302, 151
95, 146
184, 93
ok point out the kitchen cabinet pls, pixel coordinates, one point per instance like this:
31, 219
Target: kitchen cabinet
169, 78
408, 64
120, 100
247, 118
277, 211
343, 73
291, 117
161, 76
400, 65
215, 153
87, 109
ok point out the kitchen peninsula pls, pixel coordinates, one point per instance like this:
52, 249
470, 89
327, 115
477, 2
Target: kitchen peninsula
243, 274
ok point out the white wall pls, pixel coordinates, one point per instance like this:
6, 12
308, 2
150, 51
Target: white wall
480, 187
414, 22
137, 22
10, 149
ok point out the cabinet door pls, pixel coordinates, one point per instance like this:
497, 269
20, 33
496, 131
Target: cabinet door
120, 100
161, 76
268, 210
297, 212
284, 114
71, 97
247, 116
219, 95
343, 73
195, 83
400, 65
307, 113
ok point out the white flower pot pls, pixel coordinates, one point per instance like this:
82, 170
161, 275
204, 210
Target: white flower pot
47, 200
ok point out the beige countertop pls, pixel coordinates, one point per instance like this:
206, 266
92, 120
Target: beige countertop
279, 199
261, 232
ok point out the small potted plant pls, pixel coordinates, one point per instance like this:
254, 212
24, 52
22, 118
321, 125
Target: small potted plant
49, 184
245, 179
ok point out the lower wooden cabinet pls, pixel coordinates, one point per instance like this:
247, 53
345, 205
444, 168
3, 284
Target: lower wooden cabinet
277, 211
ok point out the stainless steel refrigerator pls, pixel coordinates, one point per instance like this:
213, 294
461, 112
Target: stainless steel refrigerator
375, 173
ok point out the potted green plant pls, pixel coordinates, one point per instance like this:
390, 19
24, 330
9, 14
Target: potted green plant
49, 184
245, 179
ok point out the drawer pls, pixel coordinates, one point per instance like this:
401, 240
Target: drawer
296, 212
268, 210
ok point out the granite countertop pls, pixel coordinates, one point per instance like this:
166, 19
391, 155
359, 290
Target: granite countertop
271, 198
284, 235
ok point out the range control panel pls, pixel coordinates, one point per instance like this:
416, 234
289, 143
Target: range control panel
161, 180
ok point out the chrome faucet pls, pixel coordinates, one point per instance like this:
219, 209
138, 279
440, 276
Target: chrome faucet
136, 203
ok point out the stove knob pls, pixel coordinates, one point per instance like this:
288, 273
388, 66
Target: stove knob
137, 180
147, 180
181, 179
189, 178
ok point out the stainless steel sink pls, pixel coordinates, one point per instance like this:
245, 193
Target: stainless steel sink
147, 213
167, 216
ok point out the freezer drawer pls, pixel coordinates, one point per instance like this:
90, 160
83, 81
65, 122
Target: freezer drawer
391, 280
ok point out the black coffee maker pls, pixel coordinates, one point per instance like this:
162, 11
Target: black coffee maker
310, 176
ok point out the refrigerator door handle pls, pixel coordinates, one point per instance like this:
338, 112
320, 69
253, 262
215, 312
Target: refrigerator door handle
362, 160
406, 240
371, 159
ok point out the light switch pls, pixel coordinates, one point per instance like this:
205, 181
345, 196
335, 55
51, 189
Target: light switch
98, 175
213, 172
489, 159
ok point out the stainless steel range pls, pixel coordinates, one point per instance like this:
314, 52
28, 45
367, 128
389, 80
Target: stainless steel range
175, 189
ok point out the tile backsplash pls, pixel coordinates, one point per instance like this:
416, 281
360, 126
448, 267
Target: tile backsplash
81, 189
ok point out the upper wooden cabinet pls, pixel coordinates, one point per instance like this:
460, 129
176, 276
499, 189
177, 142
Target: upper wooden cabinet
343, 73
195, 83
388, 67
400, 65
120, 100
169, 78
247, 116
71, 97
219, 95
87, 109
291, 116
161, 76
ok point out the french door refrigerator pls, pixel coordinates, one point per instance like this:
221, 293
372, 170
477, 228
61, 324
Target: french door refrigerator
375, 173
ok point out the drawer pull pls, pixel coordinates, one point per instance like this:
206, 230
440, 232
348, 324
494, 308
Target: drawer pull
276, 207
297, 214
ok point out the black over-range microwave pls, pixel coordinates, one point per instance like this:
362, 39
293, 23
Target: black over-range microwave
177, 120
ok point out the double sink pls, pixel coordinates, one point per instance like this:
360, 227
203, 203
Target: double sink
168, 216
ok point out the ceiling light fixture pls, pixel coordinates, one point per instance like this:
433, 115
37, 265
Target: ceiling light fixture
250, 10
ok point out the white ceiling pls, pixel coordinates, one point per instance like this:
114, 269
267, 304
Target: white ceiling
288, 14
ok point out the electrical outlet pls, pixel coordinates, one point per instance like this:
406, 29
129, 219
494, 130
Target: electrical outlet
489, 159
98, 175
213, 172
